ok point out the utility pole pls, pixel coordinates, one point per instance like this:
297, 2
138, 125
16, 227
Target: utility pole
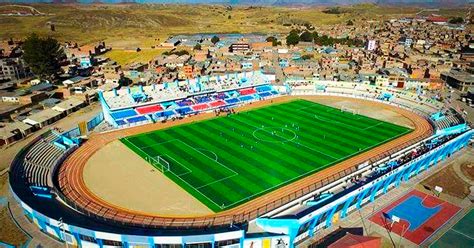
61, 227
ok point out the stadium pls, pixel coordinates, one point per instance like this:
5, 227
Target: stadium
229, 161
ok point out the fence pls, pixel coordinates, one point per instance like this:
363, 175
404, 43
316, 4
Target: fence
91, 124
95, 121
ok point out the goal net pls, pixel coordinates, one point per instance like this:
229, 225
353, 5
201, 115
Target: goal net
160, 163
350, 110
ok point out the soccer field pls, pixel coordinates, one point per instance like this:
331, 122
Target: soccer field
226, 161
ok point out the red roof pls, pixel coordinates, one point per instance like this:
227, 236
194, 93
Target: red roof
356, 241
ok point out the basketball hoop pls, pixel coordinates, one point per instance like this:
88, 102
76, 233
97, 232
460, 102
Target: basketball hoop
394, 219
438, 190
391, 218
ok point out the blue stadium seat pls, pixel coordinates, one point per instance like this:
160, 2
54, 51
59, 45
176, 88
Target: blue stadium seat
246, 98
136, 119
232, 101
122, 114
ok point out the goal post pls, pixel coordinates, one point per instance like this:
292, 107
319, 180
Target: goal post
350, 110
160, 162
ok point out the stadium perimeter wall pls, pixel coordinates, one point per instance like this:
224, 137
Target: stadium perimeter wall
295, 230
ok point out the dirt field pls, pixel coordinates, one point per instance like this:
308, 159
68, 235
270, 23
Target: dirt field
468, 169
451, 183
115, 171
9, 232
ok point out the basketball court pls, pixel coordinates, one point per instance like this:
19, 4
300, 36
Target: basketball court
417, 216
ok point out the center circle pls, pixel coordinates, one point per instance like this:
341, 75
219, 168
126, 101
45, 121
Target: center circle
274, 134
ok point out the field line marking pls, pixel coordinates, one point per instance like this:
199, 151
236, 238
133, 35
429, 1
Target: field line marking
323, 153
215, 155
157, 144
145, 153
375, 125
178, 176
205, 196
216, 181
207, 156
315, 169
181, 164
285, 140
347, 125
327, 111
463, 234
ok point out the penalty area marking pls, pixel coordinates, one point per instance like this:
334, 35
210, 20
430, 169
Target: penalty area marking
341, 123
215, 155
181, 164
222, 206
199, 150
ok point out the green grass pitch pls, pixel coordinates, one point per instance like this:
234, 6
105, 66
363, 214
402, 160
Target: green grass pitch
226, 161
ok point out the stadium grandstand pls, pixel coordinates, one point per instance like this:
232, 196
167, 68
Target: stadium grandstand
46, 176
154, 103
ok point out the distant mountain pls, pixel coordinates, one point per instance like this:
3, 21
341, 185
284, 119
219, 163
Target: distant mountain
433, 3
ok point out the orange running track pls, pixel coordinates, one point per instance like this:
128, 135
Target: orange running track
75, 192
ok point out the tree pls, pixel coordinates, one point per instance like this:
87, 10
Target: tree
178, 53
215, 39
124, 81
229, 17
197, 46
456, 20
273, 40
350, 23
293, 38
307, 56
43, 56
306, 36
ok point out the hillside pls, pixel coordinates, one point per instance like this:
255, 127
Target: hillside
134, 25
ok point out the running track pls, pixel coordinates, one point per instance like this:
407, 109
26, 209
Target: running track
76, 193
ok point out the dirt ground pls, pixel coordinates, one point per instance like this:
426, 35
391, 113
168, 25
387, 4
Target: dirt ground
115, 171
451, 183
9, 232
468, 169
